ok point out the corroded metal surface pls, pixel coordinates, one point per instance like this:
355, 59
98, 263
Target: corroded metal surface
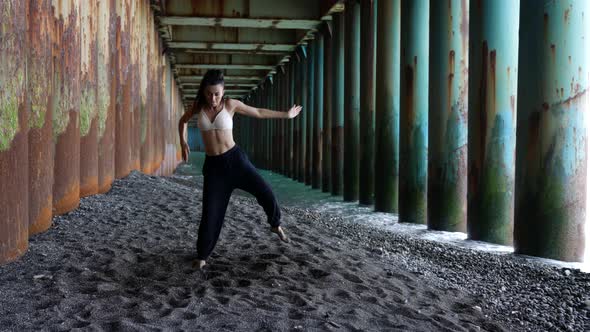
66, 123
338, 104
447, 134
493, 60
318, 112
367, 103
327, 105
107, 92
40, 95
413, 111
88, 98
387, 106
352, 105
552, 138
14, 193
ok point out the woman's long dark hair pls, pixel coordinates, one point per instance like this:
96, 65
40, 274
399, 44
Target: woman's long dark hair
212, 77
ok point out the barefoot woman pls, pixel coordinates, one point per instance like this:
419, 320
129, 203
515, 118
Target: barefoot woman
226, 165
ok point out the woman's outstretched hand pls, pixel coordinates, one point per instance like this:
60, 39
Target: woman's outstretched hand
294, 111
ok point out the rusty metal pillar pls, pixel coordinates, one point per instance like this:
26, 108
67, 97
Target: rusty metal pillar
88, 104
296, 84
413, 111
291, 138
493, 60
66, 129
40, 95
107, 93
367, 103
310, 85
447, 132
144, 96
123, 109
552, 134
352, 63
304, 115
387, 106
327, 110
14, 117
136, 88
338, 104
318, 111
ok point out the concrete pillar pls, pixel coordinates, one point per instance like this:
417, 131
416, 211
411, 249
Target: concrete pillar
447, 131
493, 60
552, 136
327, 112
351, 99
413, 111
311, 90
387, 106
338, 104
367, 103
291, 145
318, 111
304, 115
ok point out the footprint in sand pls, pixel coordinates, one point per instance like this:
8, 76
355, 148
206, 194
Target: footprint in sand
318, 273
352, 278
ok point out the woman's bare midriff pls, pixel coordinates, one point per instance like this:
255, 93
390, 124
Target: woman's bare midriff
217, 141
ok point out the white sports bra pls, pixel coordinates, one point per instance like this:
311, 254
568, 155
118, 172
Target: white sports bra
222, 120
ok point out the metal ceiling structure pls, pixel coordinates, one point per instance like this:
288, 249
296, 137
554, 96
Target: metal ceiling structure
249, 40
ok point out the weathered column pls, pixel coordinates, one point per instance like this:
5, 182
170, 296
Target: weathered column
493, 60
413, 111
367, 103
352, 38
107, 93
318, 111
66, 129
297, 122
338, 104
292, 138
387, 106
123, 101
303, 116
310, 87
327, 120
88, 101
14, 117
552, 136
40, 94
447, 132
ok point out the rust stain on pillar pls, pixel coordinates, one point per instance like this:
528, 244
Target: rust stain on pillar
66, 129
88, 101
40, 94
107, 92
123, 115
14, 209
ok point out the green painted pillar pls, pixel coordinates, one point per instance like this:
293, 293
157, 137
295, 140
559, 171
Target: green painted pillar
318, 111
367, 103
493, 60
552, 134
352, 63
387, 99
303, 116
310, 86
327, 120
291, 146
447, 131
338, 104
413, 111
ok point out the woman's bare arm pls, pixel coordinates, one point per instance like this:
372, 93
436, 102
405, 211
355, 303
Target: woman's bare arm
263, 113
182, 131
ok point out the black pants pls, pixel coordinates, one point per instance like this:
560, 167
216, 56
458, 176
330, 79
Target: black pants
224, 173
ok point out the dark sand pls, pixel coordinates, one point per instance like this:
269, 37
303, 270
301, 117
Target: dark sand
122, 261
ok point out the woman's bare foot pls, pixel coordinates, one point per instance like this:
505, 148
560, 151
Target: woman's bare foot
279, 231
199, 263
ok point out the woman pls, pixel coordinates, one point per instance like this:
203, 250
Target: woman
226, 165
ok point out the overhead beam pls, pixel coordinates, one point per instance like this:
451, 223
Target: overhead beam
185, 78
233, 46
227, 85
240, 22
223, 66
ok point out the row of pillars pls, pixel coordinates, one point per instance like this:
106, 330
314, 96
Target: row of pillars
412, 106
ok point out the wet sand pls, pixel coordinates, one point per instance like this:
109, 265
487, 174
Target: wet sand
122, 261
